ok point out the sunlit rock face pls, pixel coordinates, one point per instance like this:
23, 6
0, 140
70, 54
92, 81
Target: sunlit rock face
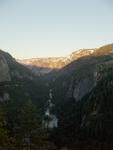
40, 66
4, 69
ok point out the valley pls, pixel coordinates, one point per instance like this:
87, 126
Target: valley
50, 103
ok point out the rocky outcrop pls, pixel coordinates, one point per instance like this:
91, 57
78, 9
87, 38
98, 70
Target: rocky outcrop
84, 98
83, 74
4, 69
10, 69
18, 83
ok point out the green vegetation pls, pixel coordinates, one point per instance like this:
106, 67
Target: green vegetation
89, 119
3, 130
20, 125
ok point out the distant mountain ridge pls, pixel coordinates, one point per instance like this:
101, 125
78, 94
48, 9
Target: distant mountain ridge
56, 62
46, 65
41, 66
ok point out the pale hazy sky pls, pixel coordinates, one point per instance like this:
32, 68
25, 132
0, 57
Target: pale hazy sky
42, 28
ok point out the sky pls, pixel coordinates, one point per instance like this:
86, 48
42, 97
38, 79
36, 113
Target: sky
52, 28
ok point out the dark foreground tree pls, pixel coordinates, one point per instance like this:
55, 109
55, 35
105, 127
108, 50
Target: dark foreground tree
29, 124
3, 131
